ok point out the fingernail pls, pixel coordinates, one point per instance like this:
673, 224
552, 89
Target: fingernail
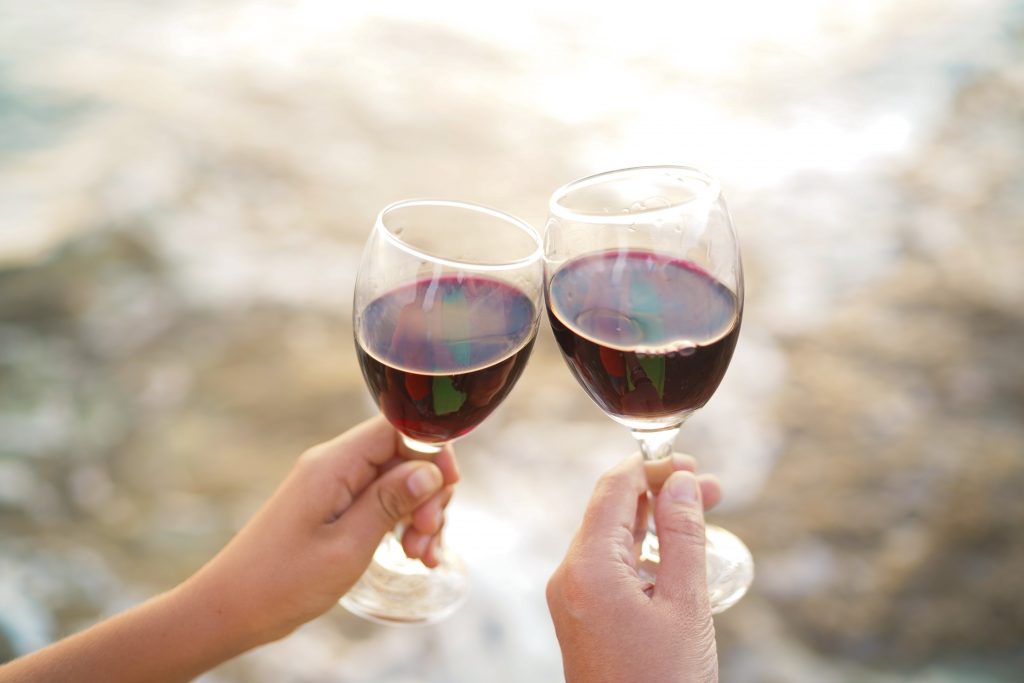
682, 487
425, 479
438, 518
679, 461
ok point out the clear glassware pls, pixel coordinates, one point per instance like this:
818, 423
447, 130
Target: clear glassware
644, 290
446, 310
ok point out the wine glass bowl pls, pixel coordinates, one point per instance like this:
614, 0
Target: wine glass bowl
446, 311
644, 291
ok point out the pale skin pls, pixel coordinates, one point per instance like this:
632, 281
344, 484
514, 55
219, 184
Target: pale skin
612, 625
315, 536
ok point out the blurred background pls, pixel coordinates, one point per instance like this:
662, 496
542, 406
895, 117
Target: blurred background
185, 188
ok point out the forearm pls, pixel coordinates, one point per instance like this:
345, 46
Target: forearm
173, 637
305, 548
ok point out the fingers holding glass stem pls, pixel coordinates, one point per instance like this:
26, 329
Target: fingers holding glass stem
729, 565
421, 538
420, 533
658, 471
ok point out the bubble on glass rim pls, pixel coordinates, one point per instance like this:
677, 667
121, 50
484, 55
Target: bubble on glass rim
656, 202
650, 204
686, 348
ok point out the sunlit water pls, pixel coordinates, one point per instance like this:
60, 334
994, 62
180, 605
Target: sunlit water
235, 155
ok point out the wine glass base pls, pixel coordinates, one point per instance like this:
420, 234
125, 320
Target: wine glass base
730, 566
396, 590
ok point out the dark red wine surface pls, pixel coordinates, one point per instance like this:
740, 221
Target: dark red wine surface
647, 335
440, 354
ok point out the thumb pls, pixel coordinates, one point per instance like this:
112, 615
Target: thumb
389, 499
679, 515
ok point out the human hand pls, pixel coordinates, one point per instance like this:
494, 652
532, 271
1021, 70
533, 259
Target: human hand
316, 535
612, 625
291, 562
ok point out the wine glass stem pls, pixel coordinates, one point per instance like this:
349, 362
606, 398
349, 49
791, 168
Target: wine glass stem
656, 445
426, 450
395, 589
730, 569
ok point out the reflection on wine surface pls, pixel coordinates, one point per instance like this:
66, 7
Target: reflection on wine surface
648, 336
440, 355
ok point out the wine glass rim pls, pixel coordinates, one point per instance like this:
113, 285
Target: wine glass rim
538, 245
557, 210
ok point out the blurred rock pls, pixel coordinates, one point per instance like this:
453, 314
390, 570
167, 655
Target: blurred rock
890, 529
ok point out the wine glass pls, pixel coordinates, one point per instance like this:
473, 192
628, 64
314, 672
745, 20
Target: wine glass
644, 290
446, 310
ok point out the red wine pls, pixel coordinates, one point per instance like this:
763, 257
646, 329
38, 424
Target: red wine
648, 336
440, 354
